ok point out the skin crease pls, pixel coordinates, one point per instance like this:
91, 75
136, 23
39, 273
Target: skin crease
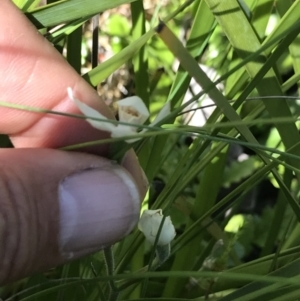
33, 73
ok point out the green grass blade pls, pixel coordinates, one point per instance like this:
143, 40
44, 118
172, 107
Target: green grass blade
245, 41
64, 11
98, 74
278, 218
74, 49
140, 62
199, 35
205, 199
261, 16
291, 270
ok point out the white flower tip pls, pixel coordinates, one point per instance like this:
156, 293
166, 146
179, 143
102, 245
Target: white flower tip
70, 93
149, 224
91, 113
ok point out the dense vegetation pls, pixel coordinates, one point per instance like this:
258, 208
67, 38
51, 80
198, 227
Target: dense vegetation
224, 164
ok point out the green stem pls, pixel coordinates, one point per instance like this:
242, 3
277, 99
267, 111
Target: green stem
110, 267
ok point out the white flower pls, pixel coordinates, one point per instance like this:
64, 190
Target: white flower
131, 110
149, 224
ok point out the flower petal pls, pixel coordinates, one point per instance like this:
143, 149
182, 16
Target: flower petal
149, 224
123, 131
167, 233
90, 112
132, 109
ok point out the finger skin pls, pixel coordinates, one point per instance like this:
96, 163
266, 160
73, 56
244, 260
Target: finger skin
30, 215
33, 73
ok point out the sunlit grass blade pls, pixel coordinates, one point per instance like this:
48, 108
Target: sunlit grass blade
290, 18
282, 8
245, 41
98, 74
64, 11
261, 16
26, 5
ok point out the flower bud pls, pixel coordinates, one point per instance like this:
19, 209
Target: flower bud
149, 224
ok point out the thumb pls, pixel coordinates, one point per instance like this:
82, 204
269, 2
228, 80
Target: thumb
57, 206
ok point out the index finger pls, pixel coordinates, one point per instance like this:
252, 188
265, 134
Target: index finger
33, 73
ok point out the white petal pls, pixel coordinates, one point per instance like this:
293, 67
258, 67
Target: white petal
165, 111
90, 112
149, 224
167, 233
132, 109
102, 125
123, 131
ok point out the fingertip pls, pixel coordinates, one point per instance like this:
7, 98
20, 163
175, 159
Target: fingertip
60, 206
131, 163
97, 208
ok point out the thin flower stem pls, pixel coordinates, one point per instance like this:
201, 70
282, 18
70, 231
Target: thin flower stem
95, 25
110, 267
128, 282
162, 254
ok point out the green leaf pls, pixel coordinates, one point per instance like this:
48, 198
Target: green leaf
67, 10
100, 73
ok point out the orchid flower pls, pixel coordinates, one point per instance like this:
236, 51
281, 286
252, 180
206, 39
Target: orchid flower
131, 110
149, 224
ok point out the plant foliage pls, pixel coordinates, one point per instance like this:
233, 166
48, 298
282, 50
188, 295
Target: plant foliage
225, 163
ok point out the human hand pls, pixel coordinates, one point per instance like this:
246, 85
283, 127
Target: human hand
55, 205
